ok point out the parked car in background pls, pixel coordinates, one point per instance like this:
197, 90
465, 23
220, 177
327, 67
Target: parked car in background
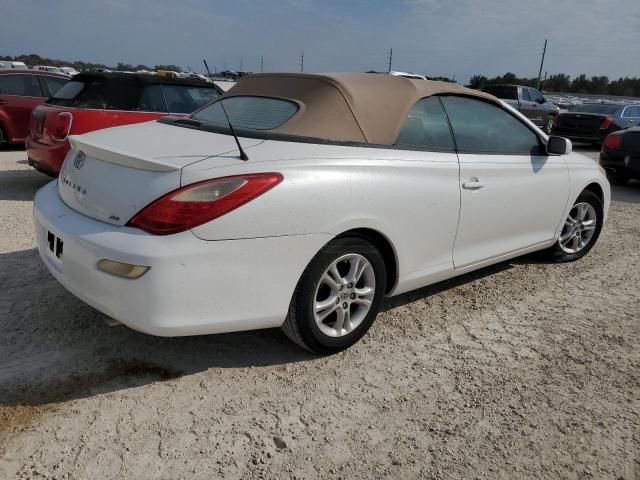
528, 101
347, 188
593, 122
69, 71
47, 68
20, 92
620, 155
91, 101
415, 76
11, 64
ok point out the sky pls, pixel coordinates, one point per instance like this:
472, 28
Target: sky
433, 37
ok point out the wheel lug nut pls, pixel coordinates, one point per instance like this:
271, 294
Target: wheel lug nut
337, 301
350, 285
352, 296
340, 287
344, 305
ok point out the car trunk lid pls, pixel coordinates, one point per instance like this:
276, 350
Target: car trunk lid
581, 121
112, 174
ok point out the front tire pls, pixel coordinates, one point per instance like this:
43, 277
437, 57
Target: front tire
581, 229
338, 296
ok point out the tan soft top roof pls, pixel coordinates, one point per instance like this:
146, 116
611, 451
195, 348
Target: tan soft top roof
352, 107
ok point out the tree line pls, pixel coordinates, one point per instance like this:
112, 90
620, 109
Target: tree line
561, 82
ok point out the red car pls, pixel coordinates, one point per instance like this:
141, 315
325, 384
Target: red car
91, 101
21, 91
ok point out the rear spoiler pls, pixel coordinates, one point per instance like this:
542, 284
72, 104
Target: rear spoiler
111, 155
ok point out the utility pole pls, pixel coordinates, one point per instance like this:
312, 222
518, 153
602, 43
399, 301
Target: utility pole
301, 61
544, 51
261, 63
240, 63
390, 59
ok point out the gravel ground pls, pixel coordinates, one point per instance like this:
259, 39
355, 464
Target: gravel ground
522, 370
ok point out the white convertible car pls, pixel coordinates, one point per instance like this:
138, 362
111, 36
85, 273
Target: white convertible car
346, 188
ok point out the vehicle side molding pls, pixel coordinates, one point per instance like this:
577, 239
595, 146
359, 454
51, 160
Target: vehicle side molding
559, 146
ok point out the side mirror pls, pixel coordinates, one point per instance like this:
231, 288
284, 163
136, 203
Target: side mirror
559, 146
541, 100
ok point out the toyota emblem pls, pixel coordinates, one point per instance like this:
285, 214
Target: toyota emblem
79, 160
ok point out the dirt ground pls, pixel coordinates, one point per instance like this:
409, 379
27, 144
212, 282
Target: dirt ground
522, 370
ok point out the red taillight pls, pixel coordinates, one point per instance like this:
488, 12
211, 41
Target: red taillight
201, 202
61, 126
606, 122
613, 141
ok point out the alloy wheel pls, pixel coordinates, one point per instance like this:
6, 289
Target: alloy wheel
579, 228
344, 295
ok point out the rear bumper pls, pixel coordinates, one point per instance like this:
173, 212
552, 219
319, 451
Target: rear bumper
584, 136
46, 158
622, 163
193, 286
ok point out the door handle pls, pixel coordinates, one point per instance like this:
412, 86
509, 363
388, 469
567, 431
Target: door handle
472, 184
3, 102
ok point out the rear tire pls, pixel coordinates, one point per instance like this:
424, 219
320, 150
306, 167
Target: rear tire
338, 296
581, 229
3, 137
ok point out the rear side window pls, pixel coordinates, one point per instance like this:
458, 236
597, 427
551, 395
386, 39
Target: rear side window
54, 83
256, 113
426, 126
480, 127
99, 94
501, 91
632, 112
187, 99
20, 85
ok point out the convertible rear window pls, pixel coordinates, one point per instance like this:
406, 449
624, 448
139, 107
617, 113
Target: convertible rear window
255, 113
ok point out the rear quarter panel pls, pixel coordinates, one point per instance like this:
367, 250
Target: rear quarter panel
411, 198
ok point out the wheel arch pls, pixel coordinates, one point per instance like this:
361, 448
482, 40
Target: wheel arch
595, 188
386, 248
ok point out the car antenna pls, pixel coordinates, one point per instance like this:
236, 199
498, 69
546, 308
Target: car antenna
243, 156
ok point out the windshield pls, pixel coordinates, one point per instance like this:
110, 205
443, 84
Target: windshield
255, 113
595, 108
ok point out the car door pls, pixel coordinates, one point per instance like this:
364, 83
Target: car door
512, 195
426, 142
538, 112
19, 94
